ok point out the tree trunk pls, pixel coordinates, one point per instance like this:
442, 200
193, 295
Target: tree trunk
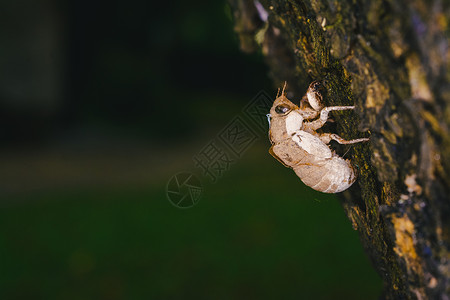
391, 59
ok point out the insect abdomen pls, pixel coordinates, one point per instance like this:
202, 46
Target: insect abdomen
330, 176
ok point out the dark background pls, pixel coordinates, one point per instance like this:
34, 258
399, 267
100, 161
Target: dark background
101, 103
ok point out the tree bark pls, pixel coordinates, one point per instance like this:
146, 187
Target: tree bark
391, 59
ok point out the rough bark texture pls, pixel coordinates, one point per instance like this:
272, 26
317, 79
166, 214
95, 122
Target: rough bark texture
392, 60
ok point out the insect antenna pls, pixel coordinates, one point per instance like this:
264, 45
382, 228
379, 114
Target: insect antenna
284, 87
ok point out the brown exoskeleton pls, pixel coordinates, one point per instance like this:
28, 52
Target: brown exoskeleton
297, 145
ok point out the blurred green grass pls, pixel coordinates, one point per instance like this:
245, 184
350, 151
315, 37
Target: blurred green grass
83, 213
257, 233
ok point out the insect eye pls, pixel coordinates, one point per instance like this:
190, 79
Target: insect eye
281, 109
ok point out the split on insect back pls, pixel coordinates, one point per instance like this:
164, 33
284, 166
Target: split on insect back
297, 144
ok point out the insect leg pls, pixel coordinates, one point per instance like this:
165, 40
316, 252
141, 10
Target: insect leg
314, 95
314, 125
327, 137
